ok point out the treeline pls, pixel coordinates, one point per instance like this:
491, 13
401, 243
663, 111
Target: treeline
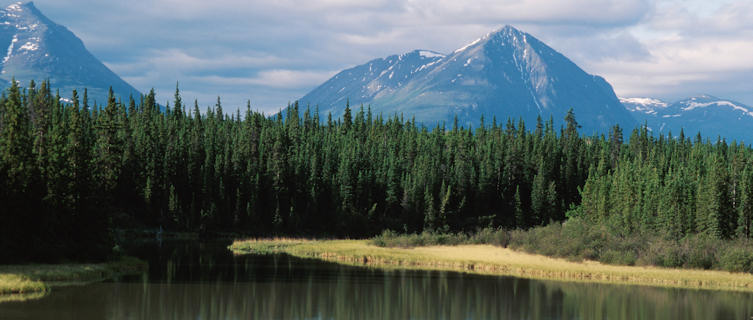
71, 172
672, 186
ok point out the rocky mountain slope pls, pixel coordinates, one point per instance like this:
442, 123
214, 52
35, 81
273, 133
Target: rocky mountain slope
506, 73
37, 48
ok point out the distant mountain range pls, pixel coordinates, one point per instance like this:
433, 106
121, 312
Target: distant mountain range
712, 116
39, 49
511, 74
505, 74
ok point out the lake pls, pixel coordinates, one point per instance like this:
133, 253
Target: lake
203, 280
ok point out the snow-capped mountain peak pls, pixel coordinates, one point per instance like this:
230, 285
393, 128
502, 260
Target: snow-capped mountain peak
30, 30
708, 101
36, 48
506, 34
506, 73
643, 105
707, 114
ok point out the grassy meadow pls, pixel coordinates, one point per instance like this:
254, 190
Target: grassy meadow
34, 280
493, 260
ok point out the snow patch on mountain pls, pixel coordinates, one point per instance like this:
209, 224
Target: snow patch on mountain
722, 103
711, 116
14, 7
430, 54
39, 49
644, 101
10, 48
463, 48
643, 105
30, 46
504, 74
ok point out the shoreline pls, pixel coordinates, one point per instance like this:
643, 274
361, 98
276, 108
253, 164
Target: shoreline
33, 281
491, 260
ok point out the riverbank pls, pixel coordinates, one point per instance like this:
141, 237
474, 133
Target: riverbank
492, 260
34, 280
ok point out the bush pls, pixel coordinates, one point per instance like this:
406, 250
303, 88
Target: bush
577, 239
612, 256
663, 254
701, 251
496, 237
390, 238
737, 259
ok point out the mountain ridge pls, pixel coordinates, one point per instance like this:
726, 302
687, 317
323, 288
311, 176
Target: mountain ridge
711, 116
506, 73
40, 49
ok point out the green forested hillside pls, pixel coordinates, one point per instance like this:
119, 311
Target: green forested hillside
70, 172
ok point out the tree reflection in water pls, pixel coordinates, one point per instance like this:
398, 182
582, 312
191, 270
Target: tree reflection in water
204, 281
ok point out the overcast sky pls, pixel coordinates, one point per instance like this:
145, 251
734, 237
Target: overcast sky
275, 51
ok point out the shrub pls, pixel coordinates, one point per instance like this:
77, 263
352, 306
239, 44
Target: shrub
577, 239
737, 259
624, 257
496, 237
701, 251
390, 238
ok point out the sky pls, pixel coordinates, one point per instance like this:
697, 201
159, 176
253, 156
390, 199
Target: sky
273, 52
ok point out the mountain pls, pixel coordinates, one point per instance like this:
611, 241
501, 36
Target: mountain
505, 74
711, 116
376, 78
39, 49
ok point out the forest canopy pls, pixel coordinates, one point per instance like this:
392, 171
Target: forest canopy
71, 172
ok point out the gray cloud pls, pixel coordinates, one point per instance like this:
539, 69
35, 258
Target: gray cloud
273, 52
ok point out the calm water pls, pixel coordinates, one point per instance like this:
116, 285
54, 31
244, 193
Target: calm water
204, 281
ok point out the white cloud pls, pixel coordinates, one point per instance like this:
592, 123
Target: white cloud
273, 79
278, 50
691, 51
602, 12
179, 60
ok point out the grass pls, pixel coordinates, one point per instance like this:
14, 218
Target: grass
34, 280
494, 260
579, 240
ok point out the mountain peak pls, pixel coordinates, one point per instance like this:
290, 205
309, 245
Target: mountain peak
507, 30
23, 16
21, 6
505, 73
510, 35
507, 35
704, 113
36, 48
702, 97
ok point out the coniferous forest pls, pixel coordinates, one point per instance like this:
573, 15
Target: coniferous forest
73, 170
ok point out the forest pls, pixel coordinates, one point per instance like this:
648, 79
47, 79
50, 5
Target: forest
73, 171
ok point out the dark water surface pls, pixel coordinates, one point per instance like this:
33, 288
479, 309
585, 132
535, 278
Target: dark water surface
191, 280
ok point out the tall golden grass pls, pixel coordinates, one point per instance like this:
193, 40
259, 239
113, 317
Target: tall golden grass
487, 259
39, 278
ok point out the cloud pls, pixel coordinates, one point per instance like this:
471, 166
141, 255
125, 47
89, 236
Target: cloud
179, 60
690, 52
273, 79
276, 51
573, 12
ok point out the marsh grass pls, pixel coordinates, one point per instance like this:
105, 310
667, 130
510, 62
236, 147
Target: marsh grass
39, 278
388, 238
577, 240
495, 260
